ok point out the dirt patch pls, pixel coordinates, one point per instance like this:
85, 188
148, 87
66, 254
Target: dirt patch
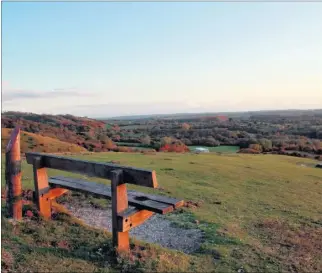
156, 229
299, 247
193, 204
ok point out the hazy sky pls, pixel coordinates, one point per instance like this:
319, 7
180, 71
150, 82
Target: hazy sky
109, 59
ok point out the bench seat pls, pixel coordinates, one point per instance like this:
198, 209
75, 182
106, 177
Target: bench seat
154, 203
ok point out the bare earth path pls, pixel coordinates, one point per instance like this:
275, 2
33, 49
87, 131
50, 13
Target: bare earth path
157, 229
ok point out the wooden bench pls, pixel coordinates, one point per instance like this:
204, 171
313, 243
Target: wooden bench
123, 217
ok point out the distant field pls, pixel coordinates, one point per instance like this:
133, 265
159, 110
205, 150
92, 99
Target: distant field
261, 213
222, 149
128, 144
136, 146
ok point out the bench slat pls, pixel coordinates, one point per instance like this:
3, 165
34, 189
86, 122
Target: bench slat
131, 175
164, 199
135, 199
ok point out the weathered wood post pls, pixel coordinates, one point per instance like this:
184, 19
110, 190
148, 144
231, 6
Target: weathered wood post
13, 176
42, 199
119, 204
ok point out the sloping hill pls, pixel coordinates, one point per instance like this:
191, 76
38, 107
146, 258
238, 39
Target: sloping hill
258, 213
38, 143
88, 133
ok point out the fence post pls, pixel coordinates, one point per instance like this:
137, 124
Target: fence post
13, 176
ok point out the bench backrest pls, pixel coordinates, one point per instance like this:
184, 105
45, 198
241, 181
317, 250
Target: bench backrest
131, 175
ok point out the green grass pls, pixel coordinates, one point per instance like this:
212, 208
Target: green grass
137, 146
259, 212
218, 149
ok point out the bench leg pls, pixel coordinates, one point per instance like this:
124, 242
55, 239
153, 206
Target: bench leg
41, 189
119, 203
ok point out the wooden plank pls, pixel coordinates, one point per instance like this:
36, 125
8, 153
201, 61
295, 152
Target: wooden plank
84, 186
132, 218
138, 201
131, 175
121, 240
56, 192
41, 183
176, 203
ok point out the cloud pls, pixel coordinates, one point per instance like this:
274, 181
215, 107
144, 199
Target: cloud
11, 94
144, 108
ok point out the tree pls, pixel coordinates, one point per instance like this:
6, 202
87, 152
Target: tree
317, 144
116, 138
116, 128
166, 140
210, 141
266, 144
146, 140
107, 143
175, 146
185, 126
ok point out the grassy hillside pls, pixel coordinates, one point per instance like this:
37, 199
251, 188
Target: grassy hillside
259, 213
86, 132
38, 143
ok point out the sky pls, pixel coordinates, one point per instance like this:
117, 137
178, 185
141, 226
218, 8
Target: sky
103, 59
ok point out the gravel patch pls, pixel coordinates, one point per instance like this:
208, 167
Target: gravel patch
156, 229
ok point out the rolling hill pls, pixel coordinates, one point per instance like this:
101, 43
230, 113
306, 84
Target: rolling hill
37, 143
85, 132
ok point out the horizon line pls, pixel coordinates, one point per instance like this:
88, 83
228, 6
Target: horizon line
171, 114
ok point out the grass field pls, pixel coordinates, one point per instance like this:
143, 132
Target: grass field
259, 213
218, 149
136, 146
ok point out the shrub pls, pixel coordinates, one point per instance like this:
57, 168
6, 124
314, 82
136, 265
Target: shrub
177, 147
146, 140
319, 157
149, 152
256, 147
249, 151
107, 143
123, 149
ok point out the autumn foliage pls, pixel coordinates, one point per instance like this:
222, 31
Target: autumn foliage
256, 147
82, 131
176, 146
